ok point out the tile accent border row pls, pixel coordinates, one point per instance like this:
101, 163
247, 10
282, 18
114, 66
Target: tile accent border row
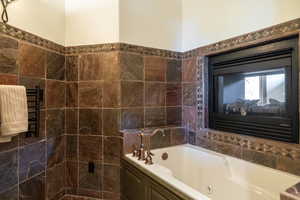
265, 146
19, 34
122, 47
273, 32
247, 39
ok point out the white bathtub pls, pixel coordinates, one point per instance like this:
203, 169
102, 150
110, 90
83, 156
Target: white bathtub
193, 170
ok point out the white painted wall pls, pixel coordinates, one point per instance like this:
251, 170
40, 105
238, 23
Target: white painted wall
151, 23
45, 18
168, 24
209, 21
92, 22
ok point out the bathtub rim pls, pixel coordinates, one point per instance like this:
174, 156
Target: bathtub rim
181, 193
158, 179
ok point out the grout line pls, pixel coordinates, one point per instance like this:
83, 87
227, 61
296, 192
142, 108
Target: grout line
144, 93
78, 118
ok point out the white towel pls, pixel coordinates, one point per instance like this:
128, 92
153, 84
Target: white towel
13, 111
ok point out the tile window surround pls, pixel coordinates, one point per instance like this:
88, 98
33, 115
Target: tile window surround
91, 92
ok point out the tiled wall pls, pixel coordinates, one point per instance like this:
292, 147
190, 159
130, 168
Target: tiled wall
32, 168
107, 92
92, 92
278, 155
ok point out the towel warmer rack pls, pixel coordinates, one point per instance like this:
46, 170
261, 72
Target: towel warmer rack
34, 98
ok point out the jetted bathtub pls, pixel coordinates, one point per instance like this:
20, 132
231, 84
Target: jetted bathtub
201, 174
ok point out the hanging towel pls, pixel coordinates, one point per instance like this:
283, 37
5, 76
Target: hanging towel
13, 111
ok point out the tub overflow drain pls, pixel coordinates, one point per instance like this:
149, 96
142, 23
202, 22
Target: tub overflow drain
209, 189
165, 156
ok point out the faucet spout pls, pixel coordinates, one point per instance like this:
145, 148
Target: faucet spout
158, 130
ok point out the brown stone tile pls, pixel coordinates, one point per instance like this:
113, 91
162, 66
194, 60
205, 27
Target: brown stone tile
56, 147
70, 191
8, 79
71, 94
9, 145
55, 123
111, 66
155, 117
178, 136
59, 195
90, 94
174, 115
90, 181
32, 61
72, 121
32, 160
131, 142
55, 64
71, 174
11, 194
111, 178
23, 140
55, 181
34, 188
30, 82
55, 94
189, 117
155, 68
89, 194
189, 70
132, 66
111, 122
90, 121
8, 55
174, 71
189, 92
8, 170
112, 150
288, 165
90, 67
111, 195
132, 94
71, 147
228, 149
72, 68
160, 139
155, 94
132, 118
259, 158
174, 94
111, 94
201, 142
90, 148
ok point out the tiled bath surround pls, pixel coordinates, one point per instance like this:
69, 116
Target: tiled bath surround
91, 92
105, 88
108, 91
278, 155
33, 168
